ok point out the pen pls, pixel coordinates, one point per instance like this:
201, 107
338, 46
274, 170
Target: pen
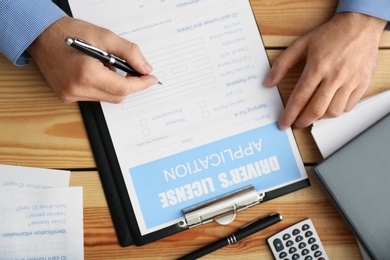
243, 232
101, 55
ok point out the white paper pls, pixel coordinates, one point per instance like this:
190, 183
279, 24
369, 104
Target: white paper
193, 138
40, 216
41, 224
21, 177
331, 134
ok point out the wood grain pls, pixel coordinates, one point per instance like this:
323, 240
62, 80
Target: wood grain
38, 130
282, 21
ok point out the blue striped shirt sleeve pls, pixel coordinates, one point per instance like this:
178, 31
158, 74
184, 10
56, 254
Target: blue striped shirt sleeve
21, 21
376, 8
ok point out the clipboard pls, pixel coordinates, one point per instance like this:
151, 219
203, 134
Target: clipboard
221, 209
121, 211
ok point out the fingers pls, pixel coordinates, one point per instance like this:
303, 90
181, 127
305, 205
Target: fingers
130, 52
284, 62
116, 88
326, 99
299, 98
102, 84
354, 99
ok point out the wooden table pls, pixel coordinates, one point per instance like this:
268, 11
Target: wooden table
37, 130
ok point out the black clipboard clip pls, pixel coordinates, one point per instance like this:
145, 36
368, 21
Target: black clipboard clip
223, 209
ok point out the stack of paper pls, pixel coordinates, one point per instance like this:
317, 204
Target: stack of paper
40, 216
331, 134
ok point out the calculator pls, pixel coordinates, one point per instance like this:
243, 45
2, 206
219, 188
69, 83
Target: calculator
299, 241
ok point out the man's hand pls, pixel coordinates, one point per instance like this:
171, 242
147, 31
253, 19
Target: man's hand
75, 76
340, 58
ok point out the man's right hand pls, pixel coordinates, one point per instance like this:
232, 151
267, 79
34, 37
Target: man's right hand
75, 76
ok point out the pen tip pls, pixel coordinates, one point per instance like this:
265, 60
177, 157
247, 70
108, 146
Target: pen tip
158, 82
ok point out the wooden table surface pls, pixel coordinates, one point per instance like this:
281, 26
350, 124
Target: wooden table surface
37, 130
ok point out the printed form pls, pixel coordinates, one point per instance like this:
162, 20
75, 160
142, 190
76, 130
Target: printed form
211, 127
40, 216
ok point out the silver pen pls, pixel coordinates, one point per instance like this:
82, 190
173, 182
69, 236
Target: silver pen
101, 55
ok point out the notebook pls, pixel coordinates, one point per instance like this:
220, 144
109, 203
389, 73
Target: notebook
357, 179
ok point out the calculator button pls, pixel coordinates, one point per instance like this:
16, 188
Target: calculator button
309, 258
289, 243
295, 256
278, 245
308, 234
298, 239
305, 227
314, 247
296, 232
286, 236
311, 240
292, 250
283, 255
302, 245
318, 253
305, 251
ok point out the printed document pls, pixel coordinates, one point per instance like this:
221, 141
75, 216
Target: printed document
211, 127
40, 216
28, 178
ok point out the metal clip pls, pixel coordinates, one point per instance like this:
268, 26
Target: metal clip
223, 210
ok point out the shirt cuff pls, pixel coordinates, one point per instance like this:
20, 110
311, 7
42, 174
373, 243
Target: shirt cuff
21, 23
376, 8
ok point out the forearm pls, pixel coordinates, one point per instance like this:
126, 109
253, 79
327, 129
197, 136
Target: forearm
21, 23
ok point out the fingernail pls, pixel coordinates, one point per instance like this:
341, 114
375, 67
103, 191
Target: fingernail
156, 81
268, 79
282, 126
147, 66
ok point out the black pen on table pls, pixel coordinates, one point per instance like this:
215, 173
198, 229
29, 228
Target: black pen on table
243, 232
103, 56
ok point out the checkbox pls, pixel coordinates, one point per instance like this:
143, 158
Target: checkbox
205, 114
202, 104
143, 122
146, 132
